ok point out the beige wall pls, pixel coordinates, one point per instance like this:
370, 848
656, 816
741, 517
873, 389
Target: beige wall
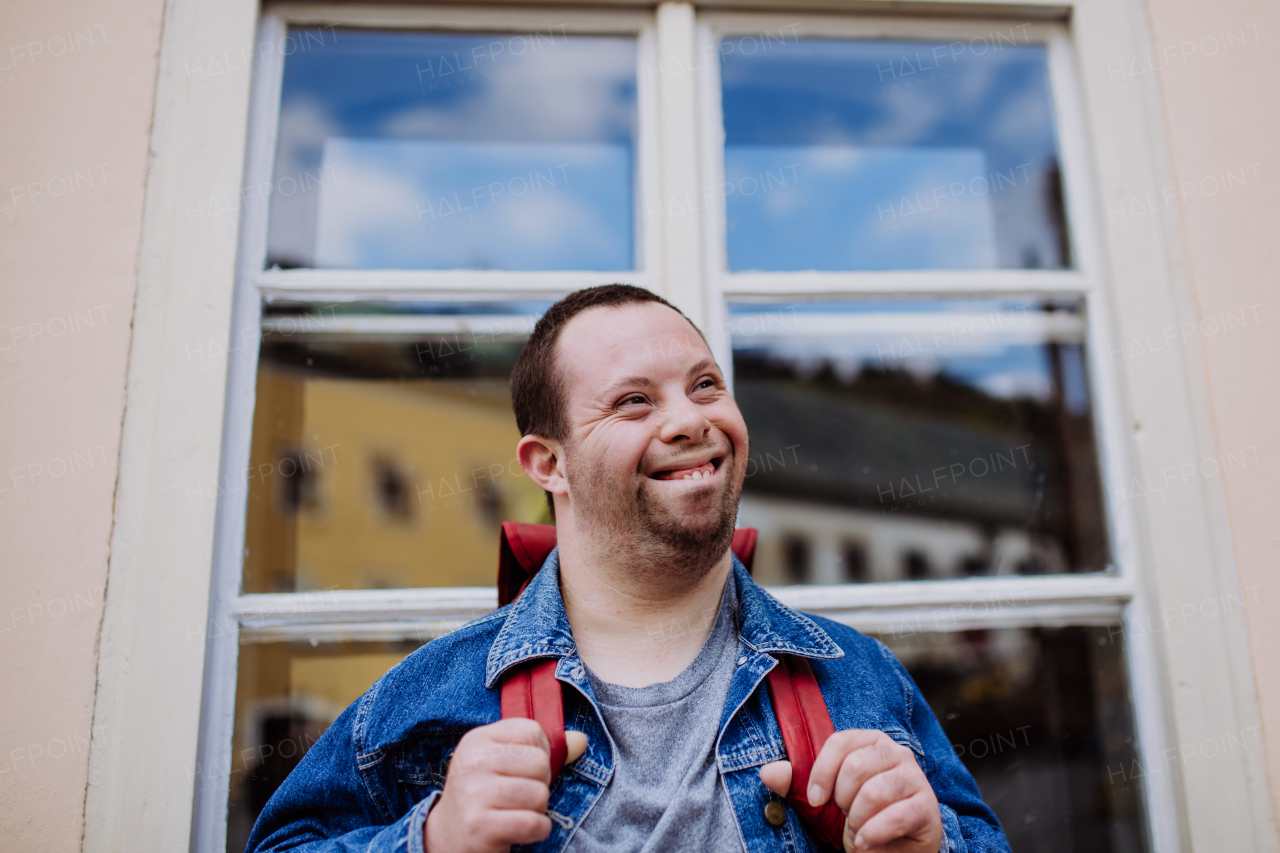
73, 159
1222, 110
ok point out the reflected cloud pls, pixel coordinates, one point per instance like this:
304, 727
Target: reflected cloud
884, 120
444, 141
427, 204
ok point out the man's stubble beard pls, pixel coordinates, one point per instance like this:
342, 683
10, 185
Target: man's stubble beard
647, 534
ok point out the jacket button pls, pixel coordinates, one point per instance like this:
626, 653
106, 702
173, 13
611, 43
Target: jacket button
775, 813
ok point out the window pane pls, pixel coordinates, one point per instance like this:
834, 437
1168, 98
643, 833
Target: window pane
1042, 719
455, 151
879, 155
383, 450
1040, 716
907, 440
287, 694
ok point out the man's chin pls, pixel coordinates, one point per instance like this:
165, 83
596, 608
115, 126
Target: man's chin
693, 528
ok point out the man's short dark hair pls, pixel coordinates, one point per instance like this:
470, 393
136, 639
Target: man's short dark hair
538, 392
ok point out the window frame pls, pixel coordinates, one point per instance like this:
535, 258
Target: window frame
1070, 592
1084, 281
157, 716
373, 284
236, 617
1087, 599
1110, 598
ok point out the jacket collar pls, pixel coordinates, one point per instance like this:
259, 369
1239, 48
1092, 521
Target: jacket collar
537, 626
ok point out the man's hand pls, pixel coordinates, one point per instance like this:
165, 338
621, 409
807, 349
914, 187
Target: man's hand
496, 789
889, 804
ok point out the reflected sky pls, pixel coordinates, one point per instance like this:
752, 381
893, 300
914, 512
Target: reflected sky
877, 155
451, 151
998, 346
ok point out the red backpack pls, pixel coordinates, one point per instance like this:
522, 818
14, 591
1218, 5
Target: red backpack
531, 690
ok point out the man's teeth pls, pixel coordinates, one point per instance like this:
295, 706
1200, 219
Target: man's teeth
697, 475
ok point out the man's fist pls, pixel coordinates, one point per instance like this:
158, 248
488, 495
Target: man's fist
889, 804
496, 789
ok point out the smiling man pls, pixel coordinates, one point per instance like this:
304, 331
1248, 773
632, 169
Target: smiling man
662, 643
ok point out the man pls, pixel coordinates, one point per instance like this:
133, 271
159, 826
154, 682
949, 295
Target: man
663, 643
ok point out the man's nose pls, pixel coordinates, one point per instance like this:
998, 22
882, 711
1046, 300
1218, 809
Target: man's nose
683, 420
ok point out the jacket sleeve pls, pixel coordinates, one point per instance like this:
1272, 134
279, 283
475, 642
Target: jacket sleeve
968, 824
327, 804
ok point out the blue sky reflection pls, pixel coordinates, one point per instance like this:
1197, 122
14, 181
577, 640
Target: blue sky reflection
452, 151
899, 155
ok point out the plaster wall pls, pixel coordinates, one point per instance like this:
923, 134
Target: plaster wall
76, 85
1217, 66
77, 79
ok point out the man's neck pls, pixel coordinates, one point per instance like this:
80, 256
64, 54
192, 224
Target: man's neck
635, 625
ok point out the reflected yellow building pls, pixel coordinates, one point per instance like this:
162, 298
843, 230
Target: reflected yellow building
381, 484
359, 483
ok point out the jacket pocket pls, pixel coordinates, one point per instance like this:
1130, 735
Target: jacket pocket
424, 761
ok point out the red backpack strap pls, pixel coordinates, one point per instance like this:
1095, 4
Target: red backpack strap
806, 724
744, 545
522, 550
532, 691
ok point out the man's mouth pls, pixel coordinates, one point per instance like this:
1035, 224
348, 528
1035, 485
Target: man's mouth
704, 471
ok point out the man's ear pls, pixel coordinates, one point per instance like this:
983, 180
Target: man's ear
543, 460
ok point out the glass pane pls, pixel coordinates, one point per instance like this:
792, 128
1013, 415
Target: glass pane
1040, 716
906, 440
879, 155
455, 151
287, 694
383, 450
1042, 719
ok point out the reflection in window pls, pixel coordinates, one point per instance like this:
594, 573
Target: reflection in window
410, 414
975, 564
878, 155
950, 438
796, 550
1042, 719
287, 694
853, 558
453, 151
393, 491
915, 566
299, 480
1040, 716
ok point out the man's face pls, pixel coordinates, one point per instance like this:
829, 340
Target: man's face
656, 450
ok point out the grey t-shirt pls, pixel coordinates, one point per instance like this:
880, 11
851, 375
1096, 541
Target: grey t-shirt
666, 794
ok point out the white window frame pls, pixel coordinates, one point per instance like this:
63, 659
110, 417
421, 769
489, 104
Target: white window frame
1085, 599
366, 614
172, 567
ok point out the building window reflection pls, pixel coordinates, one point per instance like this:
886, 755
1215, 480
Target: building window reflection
392, 489
952, 438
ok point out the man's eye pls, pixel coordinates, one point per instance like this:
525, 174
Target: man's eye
633, 400
706, 383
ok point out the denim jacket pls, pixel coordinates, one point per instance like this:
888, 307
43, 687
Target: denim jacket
369, 782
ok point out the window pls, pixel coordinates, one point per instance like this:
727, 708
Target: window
896, 265
510, 151
406, 408
862, 154
956, 436
1034, 712
433, 186
853, 557
873, 219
